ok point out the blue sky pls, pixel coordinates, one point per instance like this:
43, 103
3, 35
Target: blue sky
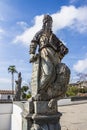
21, 19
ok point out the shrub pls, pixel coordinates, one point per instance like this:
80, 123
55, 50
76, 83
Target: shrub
72, 91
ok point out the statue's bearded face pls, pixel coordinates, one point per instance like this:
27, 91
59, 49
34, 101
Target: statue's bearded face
48, 26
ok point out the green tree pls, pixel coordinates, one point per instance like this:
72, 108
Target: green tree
25, 92
72, 91
12, 70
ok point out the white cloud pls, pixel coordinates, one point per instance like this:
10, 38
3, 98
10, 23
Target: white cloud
81, 66
5, 80
30, 32
68, 17
5, 83
22, 24
2, 30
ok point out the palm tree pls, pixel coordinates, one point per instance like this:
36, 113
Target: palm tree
12, 70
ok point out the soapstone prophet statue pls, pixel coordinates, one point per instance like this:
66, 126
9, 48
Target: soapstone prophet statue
52, 75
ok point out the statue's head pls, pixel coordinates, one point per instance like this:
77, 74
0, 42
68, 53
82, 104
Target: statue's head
47, 22
47, 18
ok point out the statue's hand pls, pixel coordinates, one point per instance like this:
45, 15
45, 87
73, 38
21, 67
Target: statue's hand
32, 58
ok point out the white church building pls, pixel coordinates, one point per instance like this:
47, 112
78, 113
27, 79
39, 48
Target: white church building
6, 94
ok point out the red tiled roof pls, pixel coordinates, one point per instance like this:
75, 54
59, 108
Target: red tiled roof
6, 92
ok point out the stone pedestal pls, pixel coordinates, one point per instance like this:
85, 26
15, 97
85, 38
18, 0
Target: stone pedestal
43, 117
42, 107
43, 122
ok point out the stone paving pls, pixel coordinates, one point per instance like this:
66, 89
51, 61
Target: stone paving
74, 117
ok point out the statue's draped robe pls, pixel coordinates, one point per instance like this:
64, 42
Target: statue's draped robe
49, 60
51, 51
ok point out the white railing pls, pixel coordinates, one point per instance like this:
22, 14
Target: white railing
10, 116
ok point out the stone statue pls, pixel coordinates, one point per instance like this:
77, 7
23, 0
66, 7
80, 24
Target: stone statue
53, 76
18, 87
49, 76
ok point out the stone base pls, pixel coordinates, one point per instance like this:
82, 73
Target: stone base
42, 107
43, 122
43, 115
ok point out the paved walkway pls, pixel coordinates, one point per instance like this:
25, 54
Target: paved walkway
74, 117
